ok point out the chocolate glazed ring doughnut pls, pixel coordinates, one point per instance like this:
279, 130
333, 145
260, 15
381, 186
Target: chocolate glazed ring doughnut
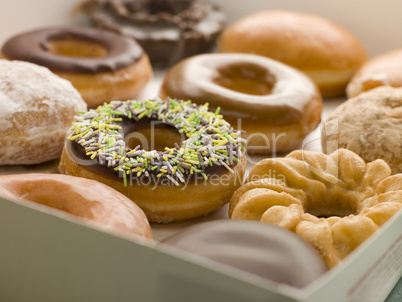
167, 30
100, 64
276, 105
200, 167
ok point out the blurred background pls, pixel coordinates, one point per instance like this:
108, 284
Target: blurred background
376, 23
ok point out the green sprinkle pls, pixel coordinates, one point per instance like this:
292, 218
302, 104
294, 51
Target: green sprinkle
125, 179
102, 130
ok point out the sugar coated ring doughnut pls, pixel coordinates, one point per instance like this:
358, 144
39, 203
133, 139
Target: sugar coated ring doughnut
370, 125
328, 53
102, 65
383, 70
276, 105
107, 208
335, 201
208, 166
36, 108
168, 30
261, 249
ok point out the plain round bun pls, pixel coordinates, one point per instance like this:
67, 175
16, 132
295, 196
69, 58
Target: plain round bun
383, 70
328, 53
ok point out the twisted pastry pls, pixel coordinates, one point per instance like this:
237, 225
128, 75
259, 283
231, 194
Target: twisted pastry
334, 201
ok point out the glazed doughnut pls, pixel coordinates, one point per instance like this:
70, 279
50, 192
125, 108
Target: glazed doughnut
100, 64
334, 201
107, 208
383, 70
168, 30
261, 249
174, 159
370, 125
325, 51
36, 108
276, 105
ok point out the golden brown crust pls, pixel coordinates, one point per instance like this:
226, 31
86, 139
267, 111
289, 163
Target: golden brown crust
288, 37
164, 203
370, 125
383, 70
104, 86
122, 84
90, 200
334, 201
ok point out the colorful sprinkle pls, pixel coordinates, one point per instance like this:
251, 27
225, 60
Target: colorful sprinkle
210, 140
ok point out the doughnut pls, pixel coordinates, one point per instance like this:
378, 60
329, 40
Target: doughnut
370, 125
100, 64
276, 105
262, 249
175, 160
325, 51
383, 70
36, 109
334, 202
107, 208
168, 30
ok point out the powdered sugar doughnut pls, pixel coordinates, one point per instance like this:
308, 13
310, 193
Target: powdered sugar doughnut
369, 124
36, 108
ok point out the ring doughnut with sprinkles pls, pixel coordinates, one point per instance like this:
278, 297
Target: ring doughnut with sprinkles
178, 183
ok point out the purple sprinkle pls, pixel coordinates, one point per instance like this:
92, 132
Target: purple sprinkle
137, 165
133, 116
115, 165
93, 135
184, 166
207, 141
117, 106
200, 159
167, 104
176, 146
138, 153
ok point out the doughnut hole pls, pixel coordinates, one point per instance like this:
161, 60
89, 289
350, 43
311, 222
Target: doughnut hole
152, 135
338, 203
246, 78
75, 47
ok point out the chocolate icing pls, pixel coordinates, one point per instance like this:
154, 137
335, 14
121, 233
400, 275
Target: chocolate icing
77, 153
167, 30
33, 47
259, 248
